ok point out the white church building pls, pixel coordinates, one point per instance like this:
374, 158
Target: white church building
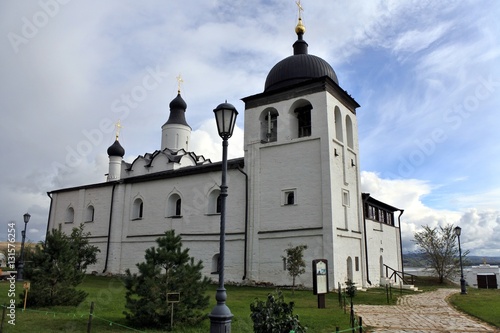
298, 183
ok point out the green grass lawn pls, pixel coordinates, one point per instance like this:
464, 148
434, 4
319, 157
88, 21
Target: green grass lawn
108, 294
480, 303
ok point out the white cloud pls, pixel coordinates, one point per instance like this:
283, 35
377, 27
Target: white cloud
481, 231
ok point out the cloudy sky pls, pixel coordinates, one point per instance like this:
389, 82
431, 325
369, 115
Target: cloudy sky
426, 74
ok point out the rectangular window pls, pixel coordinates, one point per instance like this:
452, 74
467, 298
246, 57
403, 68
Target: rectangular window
381, 215
356, 263
372, 212
390, 218
345, 198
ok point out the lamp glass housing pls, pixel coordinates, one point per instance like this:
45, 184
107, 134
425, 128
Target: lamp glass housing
26, 217
458, 231
225, 116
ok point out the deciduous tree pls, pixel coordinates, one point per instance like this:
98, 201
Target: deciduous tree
438, 248
295, 264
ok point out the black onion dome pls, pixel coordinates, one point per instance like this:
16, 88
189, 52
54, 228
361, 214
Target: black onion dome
299, 67
177, 111
116, 149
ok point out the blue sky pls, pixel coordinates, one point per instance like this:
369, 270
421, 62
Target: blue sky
426, 74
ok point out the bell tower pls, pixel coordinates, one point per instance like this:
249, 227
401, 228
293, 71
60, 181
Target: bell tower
302, 157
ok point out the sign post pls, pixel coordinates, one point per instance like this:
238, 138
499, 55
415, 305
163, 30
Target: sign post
26, 287
320, 280
173, 298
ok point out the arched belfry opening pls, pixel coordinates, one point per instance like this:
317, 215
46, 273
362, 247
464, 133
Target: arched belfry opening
269, 125
301, 119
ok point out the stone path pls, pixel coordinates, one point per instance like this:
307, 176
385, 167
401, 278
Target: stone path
420, 313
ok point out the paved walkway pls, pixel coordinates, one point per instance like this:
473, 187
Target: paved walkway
420, 313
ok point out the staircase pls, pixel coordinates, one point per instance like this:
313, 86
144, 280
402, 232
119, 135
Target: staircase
389, 282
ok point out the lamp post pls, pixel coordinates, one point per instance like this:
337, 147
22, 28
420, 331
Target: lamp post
20, 268
463, 289
220, 317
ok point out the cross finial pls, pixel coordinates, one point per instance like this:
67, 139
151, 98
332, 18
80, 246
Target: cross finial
118, 126
301, 9
179, 81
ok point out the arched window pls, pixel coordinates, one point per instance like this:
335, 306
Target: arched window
338, 125
348, 132
174, 208
349, 269
288, 197
215, 264
70, 215
214, 202
89, 214
218, 207
178, 207
269, 126
304, 120
137, 209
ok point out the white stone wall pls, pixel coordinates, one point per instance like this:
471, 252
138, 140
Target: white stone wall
470, 274
383, 248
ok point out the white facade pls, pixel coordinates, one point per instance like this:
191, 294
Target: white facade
483, 276
298, 183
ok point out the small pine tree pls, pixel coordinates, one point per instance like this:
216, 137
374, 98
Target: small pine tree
295, 264
168, 268
55, 271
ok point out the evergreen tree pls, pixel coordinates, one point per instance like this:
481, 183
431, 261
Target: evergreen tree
57, 266
168, 269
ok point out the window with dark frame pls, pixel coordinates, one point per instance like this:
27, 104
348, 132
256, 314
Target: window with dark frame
378, 214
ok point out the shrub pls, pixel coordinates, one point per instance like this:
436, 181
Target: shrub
274, 315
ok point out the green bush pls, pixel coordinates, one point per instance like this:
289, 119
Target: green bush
274, 315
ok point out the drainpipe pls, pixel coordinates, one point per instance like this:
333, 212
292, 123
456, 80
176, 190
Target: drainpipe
246, 225
50, 214
109, 228
401, 240
366, 241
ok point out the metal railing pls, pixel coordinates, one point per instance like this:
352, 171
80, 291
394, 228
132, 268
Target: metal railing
395, 274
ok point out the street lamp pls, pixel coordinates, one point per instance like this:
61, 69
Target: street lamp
463, 289
220, 317
20, 268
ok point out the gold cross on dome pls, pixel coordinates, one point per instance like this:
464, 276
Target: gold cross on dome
301, 9
118, 126
179, 81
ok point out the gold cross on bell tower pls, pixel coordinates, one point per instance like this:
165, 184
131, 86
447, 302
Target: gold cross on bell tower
301, 9
179, 82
